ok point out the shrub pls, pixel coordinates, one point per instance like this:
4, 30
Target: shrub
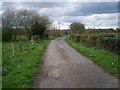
46, 35
6, 35
36, 37
77, 38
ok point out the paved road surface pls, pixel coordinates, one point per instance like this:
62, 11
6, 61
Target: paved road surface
63, 67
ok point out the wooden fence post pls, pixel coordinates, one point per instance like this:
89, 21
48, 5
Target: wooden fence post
13, 51
32, 39
20, 46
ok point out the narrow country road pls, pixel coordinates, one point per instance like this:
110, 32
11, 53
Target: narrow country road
63, 67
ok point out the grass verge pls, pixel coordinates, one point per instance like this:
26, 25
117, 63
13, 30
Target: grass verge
18, 71
106, 60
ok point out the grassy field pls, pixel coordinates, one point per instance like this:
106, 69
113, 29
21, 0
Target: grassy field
106, 60
18, 71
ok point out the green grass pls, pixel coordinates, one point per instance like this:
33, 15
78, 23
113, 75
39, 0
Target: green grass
0, 65
23, 38
104, 59
19, 71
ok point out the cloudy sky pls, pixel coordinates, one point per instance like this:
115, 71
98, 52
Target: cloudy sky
93, 14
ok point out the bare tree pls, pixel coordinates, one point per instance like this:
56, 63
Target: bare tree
25, 19
8, 19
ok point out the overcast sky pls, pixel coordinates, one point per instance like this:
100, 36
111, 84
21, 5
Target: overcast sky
92, 14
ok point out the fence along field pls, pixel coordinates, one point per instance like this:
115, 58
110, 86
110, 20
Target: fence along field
23, 44
20, 62
21, 57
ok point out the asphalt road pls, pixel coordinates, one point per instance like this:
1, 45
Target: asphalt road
63, 67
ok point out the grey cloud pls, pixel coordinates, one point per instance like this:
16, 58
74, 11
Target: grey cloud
71, 11
33, 5
88, 8
80, 8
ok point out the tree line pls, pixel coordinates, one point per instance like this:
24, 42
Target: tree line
29, 20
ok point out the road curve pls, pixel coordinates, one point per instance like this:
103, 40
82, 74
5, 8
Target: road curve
63, 67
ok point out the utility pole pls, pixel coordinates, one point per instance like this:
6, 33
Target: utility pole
54, 27
59, 26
